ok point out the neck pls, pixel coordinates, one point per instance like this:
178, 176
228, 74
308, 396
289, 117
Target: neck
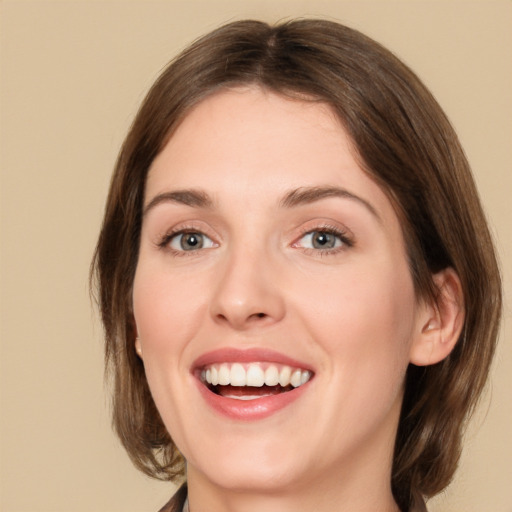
325, 498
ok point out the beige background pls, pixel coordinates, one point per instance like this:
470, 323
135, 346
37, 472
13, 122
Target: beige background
72, 76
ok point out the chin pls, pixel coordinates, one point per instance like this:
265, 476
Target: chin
253, 478
251, 470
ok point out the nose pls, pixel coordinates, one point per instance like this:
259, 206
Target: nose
248, 292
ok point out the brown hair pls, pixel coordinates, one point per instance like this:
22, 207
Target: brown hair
403, 140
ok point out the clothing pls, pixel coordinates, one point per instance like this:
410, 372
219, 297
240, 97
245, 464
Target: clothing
179, 503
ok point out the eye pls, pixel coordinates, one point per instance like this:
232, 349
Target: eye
320, 240
190, 241
323, 239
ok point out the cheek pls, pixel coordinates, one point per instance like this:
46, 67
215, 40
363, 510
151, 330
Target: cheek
166, 309
363, 318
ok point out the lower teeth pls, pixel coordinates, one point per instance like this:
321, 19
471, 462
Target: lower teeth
247, 392
245, 397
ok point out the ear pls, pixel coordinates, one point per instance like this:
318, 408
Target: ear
138, 347
439, 324
138, 344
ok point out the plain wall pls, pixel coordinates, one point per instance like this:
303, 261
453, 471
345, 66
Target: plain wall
72, 77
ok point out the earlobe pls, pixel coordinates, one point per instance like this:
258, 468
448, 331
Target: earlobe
138, 347
440, 323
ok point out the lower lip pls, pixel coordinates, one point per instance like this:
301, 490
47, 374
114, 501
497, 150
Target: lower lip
250, 410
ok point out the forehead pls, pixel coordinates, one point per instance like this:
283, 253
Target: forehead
255, 143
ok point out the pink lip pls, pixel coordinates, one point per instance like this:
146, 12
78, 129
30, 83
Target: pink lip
247, 410
250, 410
234, 355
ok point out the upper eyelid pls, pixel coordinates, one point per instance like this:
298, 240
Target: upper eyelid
328, 225
193, 225
324, 227
346, 238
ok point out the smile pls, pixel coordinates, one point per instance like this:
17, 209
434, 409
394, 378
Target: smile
252, 381
250, 384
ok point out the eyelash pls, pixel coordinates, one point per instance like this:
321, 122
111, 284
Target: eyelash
345, 237
165, 241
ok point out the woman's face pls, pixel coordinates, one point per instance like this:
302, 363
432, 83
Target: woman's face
271, 263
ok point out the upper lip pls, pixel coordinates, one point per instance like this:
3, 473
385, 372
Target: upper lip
249, 355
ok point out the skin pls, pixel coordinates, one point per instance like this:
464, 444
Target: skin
351, 313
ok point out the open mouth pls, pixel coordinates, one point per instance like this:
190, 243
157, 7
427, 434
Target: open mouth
250, 381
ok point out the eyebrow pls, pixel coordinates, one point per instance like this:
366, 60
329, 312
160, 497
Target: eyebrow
306, 195
196, 198
189, 197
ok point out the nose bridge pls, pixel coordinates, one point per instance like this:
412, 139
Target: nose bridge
247, 289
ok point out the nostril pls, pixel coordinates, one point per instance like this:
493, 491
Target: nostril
257, 316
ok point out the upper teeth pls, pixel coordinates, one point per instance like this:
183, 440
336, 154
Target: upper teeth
254, 374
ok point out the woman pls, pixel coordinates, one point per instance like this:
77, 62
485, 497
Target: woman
299, 290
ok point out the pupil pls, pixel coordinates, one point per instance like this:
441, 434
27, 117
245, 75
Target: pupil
323, 240
191, 241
